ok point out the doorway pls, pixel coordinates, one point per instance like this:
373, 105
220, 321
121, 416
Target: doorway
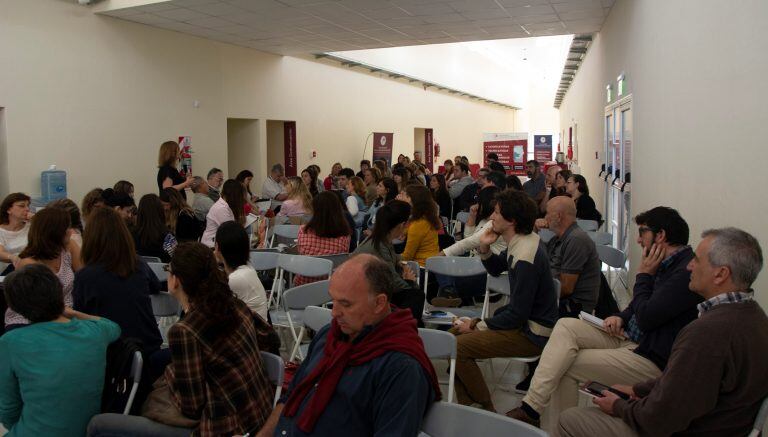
281, 146
617, 177
423, 142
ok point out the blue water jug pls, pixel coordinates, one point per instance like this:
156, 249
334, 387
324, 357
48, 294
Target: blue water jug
53, 184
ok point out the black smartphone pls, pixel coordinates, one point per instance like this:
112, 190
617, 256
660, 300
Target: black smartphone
436, 313
596, 389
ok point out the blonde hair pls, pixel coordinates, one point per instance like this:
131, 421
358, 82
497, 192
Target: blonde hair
297, 189
358, 185
169, 152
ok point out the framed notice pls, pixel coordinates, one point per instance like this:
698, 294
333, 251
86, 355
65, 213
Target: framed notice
382, 147
542, 148
512, 148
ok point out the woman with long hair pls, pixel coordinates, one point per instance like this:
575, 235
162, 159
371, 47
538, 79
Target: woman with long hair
585, 205
447, 171
371, 178
561, 180
92, 200
49, 243
421, 238
327, 233
386, 190
391, 220
384, 170
114, 282
75, 220
440, 195
167, 174
245, 177
123, 186
14, 229
356, 196
216, 375
230, 207
299, 201
150, 234
330, 182
318, 179
309, 177
402, 176
180, 217
233, 251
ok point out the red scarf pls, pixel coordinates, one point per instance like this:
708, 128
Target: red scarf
397, 332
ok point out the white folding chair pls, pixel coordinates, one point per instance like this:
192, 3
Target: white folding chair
275, 368
416, 269
444, 419
315, 317
285, 234
762, 415
159, 270
166, 310
601, 238
151, 259
308, 266
136, 366
461, 218
611, 256
457, 267
588, 225
294, 303
545, 235
441, 344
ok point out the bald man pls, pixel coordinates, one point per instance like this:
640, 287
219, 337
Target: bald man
366, 373
549, 182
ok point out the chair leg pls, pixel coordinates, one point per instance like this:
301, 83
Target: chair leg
297, 345
278, 391
451, 380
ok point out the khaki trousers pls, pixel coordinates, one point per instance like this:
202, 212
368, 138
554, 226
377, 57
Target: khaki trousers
470, 385
591, 422
578, 352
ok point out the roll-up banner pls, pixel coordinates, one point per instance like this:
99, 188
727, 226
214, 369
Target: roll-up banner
289, 148
512, 149
382, 147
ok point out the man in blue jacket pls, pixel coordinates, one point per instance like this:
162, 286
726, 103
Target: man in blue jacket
633, 345
520, 328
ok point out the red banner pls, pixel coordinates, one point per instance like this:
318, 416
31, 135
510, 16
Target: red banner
289, 148
512, 149
428, 149
382, 147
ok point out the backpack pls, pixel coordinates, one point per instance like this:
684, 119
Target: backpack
118, 380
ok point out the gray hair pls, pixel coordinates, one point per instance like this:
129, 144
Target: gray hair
737, 250
196, 182
278, 168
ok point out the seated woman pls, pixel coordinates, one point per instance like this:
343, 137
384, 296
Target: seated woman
585, 206
229, 207
440, 194
233, 250
327, 233
299, 201
356, 199
50, 244
115, 283
14, 228
386, 190
180, 217
390, 224
421, 237
216, 374
371, 178
75, 220
123, 186
150, 234
120, 202
477, 223
52, 371
309, 177
330, 182
92, 200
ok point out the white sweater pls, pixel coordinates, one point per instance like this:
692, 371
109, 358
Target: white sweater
471, 240
246, 285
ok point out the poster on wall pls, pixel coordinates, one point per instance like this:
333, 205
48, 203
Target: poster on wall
289, 147
542, 148
428, 149
512, 149
185, 146
382, 146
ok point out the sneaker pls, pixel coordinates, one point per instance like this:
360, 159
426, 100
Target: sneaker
523, 386
446, 302
519, 414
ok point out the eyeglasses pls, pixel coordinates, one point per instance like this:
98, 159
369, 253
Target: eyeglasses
643, 229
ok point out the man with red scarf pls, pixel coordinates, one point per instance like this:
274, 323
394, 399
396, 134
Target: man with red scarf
366, 373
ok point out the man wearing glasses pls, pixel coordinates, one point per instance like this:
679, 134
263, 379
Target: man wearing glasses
634, 345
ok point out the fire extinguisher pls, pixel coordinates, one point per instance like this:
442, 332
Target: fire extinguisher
437, 149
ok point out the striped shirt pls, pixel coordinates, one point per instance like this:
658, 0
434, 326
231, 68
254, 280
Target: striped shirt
725, 298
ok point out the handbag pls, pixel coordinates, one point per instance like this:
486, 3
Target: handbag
159, 407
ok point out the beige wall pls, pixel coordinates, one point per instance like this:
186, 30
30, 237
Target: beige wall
243, 145
96, 96
695, 70
275, 142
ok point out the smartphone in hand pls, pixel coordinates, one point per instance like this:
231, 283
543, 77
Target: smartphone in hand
595, 389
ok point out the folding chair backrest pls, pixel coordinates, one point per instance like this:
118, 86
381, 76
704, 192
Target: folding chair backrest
444, 419
588, 225
416, 269
305, 265
136, 365
314, 293
275, 368
151, 259
337, 259
611, 256
164, 305
545, 235
286, 234
315, 317
601, 238
438, 344
462, 216
456, 266
159, 270
261, 260
498, 284
762, 415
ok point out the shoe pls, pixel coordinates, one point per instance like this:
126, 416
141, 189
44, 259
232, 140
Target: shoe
446, 302
523, 386
519, 414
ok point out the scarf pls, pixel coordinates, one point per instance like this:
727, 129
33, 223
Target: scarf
396, 333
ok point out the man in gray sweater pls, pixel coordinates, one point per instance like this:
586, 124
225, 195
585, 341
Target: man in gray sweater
715, 379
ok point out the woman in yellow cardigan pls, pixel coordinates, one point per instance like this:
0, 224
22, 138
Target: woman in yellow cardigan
423, 227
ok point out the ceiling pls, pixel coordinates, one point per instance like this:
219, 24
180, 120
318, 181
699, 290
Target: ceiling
292, 27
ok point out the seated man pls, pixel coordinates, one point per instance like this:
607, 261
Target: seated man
635, 344
715, 380
273, 187
366, 373
201, 203
573, 258
51, 371
520, 328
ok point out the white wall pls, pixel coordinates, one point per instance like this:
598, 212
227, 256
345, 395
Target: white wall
695, 69
97, 96
243, 145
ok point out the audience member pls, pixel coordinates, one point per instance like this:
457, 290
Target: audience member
201, 202
417, 156
233, 250
636, 343
367, 372
309, 178
216, 374
120, 202
371, 178
355, 196
345, 174
419, 172
151, 235
521, 327
125, 187
386, 190
468, 196
215, 178
52, 371
299, 201
463, 179
384, 170
92, 200
245, 177
273, 187
330, 182
115, 283
478, 223
167, 174
180, 217
230, 207
50, 245
75, 222
401, 176
448, 172
495, 165
319, 182
573, 258
14, 227
535, 185
421, 236
440, 194
714, 382
555, 180
364, 165
585, 206
327, 233
514, 183
391, 220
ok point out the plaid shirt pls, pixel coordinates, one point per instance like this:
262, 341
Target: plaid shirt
725, 298
311, 244
219, 379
